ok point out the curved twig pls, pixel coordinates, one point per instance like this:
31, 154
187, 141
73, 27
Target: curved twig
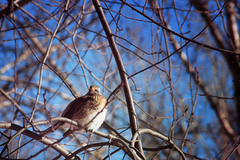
159, 135
35, 136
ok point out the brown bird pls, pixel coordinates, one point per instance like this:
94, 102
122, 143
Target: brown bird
89, 111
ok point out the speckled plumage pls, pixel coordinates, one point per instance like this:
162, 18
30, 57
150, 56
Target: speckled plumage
89, 111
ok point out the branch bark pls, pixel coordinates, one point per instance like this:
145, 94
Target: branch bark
13, 6
122, 72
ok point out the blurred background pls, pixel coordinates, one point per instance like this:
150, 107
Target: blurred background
181, 59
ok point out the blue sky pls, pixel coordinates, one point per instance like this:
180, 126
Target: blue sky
149, 37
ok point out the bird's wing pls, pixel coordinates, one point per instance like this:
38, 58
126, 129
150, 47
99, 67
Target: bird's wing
73, 106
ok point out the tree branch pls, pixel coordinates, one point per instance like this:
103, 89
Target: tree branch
122, 72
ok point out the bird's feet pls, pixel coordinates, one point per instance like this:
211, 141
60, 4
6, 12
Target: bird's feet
89, 131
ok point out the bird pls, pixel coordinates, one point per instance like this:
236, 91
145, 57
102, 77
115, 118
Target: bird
89, 111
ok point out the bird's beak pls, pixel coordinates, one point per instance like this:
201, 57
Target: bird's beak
92, 89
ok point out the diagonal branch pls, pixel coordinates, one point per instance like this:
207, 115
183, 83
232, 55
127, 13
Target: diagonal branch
13, 6
122, 72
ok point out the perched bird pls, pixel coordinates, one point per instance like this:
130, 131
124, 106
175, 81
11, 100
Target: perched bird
89, 111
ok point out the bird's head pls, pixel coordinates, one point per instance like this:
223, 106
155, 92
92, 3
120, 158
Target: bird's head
94, 89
